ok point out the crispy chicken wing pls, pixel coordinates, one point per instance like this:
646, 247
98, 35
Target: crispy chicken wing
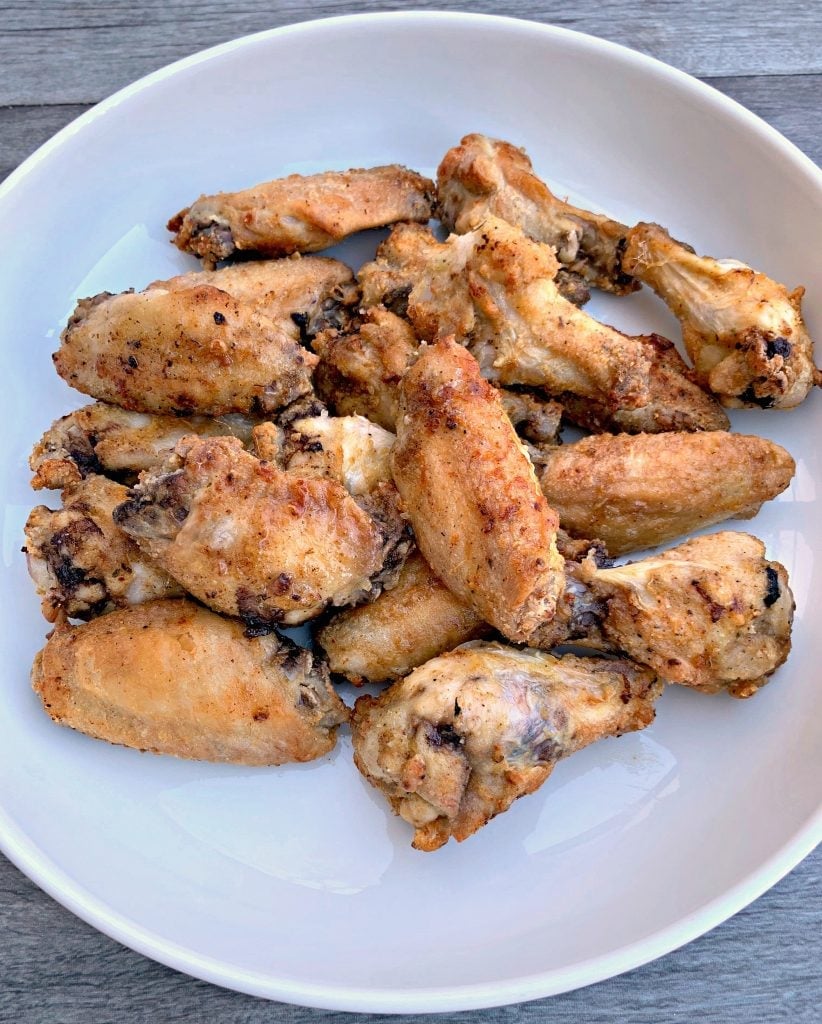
182, 350
415, 620
301, 214
457, 741
473, 498
712, 613
676, 401
637, 491
102, 438
250, 540
493, 289
174, 678
743, 331
81, 563
483, 176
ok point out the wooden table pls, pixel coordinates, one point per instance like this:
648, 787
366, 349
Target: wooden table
58, 58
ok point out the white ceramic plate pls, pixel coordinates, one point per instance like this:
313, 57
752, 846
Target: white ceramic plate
297, 883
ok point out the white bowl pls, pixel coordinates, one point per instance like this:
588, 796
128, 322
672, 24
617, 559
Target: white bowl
297, 883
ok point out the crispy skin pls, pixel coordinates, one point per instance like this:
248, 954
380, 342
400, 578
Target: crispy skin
743, 331
81, 563
637, 491
483, 176
457, 741
301, 214
182, 349
712, 613
534, 417
478, 514
247, 539
349, 449
409, 624
493, 289
104, 439
676, 401
173, 678
302, 295
360, 369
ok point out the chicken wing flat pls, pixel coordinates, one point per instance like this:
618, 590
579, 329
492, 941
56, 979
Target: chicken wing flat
104, 439
81, 563
712, 613
414, 621
640, 490
249, 540
301, 214
479, 516
174, 678
483, 176
457, 741
676, 401
182, 350
493, 289
743, 331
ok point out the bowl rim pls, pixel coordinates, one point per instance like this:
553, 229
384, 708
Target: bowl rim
45, 873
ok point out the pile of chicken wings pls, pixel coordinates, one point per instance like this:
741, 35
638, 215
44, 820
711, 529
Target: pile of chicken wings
274, 440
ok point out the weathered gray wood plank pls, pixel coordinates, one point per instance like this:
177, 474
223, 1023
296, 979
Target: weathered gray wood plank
61, 52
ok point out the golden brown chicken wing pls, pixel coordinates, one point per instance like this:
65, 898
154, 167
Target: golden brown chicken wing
174, 678
247, 539
712, 613
182, 350
483, 176
639, 490
414, 621
457, 741
478, 514
301, 214
743, 331
493, 289
81, 563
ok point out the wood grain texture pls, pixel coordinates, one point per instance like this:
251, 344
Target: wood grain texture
56, 58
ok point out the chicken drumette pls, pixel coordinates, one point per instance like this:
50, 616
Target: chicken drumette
743, 331
174, 678
457, 741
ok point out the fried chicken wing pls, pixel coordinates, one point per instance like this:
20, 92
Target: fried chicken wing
182, 350
676, 401
711, 613
743, 331
350, 449
301, 214
414, 621
247, 539
104, 439
493, 289
483, 176
81, 563
174, 678
457, 741
639, 490
473, 498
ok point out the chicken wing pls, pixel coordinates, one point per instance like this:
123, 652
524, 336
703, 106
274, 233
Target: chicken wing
301, 214
473, 498
182, 350
174, 678
676, 401
743, 331
104, 439
349, 449
247, 539
457, 741
637, 491
712, 613
414, 621
493, 289
483, 176
81, 563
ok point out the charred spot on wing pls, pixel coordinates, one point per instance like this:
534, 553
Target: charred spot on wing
396, 301
750, 398
772, 588
778, 347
